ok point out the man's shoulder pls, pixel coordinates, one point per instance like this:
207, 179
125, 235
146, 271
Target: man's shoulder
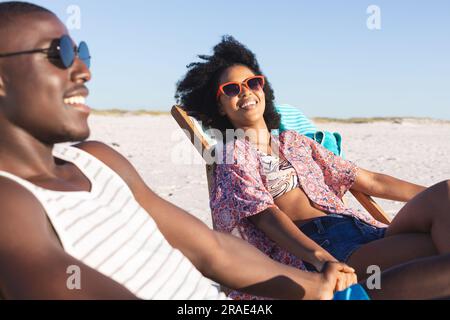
111, 158
98, 149
104, 153
14, 194
20, 210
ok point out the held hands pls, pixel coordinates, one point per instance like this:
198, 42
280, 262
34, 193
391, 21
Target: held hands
346, 277
335, 277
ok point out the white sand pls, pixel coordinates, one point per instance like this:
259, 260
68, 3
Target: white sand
417, 151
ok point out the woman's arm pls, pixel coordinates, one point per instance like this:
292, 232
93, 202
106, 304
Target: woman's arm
280, 229
386, 187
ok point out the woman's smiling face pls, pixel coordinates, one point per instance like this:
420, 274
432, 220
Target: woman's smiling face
247, 108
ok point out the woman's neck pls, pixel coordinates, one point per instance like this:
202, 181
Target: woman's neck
259, 136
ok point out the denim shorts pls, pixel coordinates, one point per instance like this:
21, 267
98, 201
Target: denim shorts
341, 235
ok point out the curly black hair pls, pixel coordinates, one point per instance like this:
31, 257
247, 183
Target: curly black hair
197, 90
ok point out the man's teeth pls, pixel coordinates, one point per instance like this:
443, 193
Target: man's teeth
75, 100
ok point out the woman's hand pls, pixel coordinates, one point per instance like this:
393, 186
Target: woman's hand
345, 280
320, 258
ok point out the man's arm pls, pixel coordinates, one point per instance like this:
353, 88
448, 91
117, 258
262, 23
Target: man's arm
217, 255
385, 187
32, 263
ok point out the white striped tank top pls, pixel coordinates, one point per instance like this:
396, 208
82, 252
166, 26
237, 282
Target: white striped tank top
109, 231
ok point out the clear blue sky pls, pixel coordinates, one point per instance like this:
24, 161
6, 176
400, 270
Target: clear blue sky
318, 54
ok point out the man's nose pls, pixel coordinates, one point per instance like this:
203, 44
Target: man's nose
80, 71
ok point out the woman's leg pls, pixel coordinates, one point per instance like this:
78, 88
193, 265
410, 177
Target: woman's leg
421, 229
428, 212
421, 279
391, 251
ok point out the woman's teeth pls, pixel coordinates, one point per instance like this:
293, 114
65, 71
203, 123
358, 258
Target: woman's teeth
75, 100
249, 105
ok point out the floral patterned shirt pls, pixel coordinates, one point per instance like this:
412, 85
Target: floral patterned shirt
240, 191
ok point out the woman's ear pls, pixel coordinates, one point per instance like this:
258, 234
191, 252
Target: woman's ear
221, 110
3, 79
2, 87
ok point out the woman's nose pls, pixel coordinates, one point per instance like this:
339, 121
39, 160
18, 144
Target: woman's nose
245, 90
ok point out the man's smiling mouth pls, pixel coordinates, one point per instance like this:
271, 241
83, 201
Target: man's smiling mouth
75, 100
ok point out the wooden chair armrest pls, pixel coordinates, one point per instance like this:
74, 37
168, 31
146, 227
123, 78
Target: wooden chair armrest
372, 207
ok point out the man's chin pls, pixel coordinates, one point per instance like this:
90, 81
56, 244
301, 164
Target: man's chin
73, 137
80, 138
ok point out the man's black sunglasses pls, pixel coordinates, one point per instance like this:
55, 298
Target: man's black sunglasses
62, 51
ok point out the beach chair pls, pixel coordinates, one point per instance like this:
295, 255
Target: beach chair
196, 134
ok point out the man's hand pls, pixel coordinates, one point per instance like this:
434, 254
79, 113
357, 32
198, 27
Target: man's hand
320, 259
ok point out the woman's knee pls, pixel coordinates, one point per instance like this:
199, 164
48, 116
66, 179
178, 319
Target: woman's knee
445, 186
440, 199
442, 189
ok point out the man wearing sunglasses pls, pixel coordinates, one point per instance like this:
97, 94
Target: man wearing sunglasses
61, 51
86, 207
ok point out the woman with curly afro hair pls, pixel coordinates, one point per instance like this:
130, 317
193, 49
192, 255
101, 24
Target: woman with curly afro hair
198, 90
283, 194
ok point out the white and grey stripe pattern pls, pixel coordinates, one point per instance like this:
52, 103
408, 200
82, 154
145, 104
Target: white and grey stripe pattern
108, 230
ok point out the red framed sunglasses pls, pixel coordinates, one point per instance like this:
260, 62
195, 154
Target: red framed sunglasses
233, 89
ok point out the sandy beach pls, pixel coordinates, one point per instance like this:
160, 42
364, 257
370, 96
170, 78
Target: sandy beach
416, 150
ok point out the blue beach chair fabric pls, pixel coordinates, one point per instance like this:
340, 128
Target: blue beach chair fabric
330, 140
355, 292
293, 119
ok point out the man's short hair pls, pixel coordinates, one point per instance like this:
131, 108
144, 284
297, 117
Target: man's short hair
12, 9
